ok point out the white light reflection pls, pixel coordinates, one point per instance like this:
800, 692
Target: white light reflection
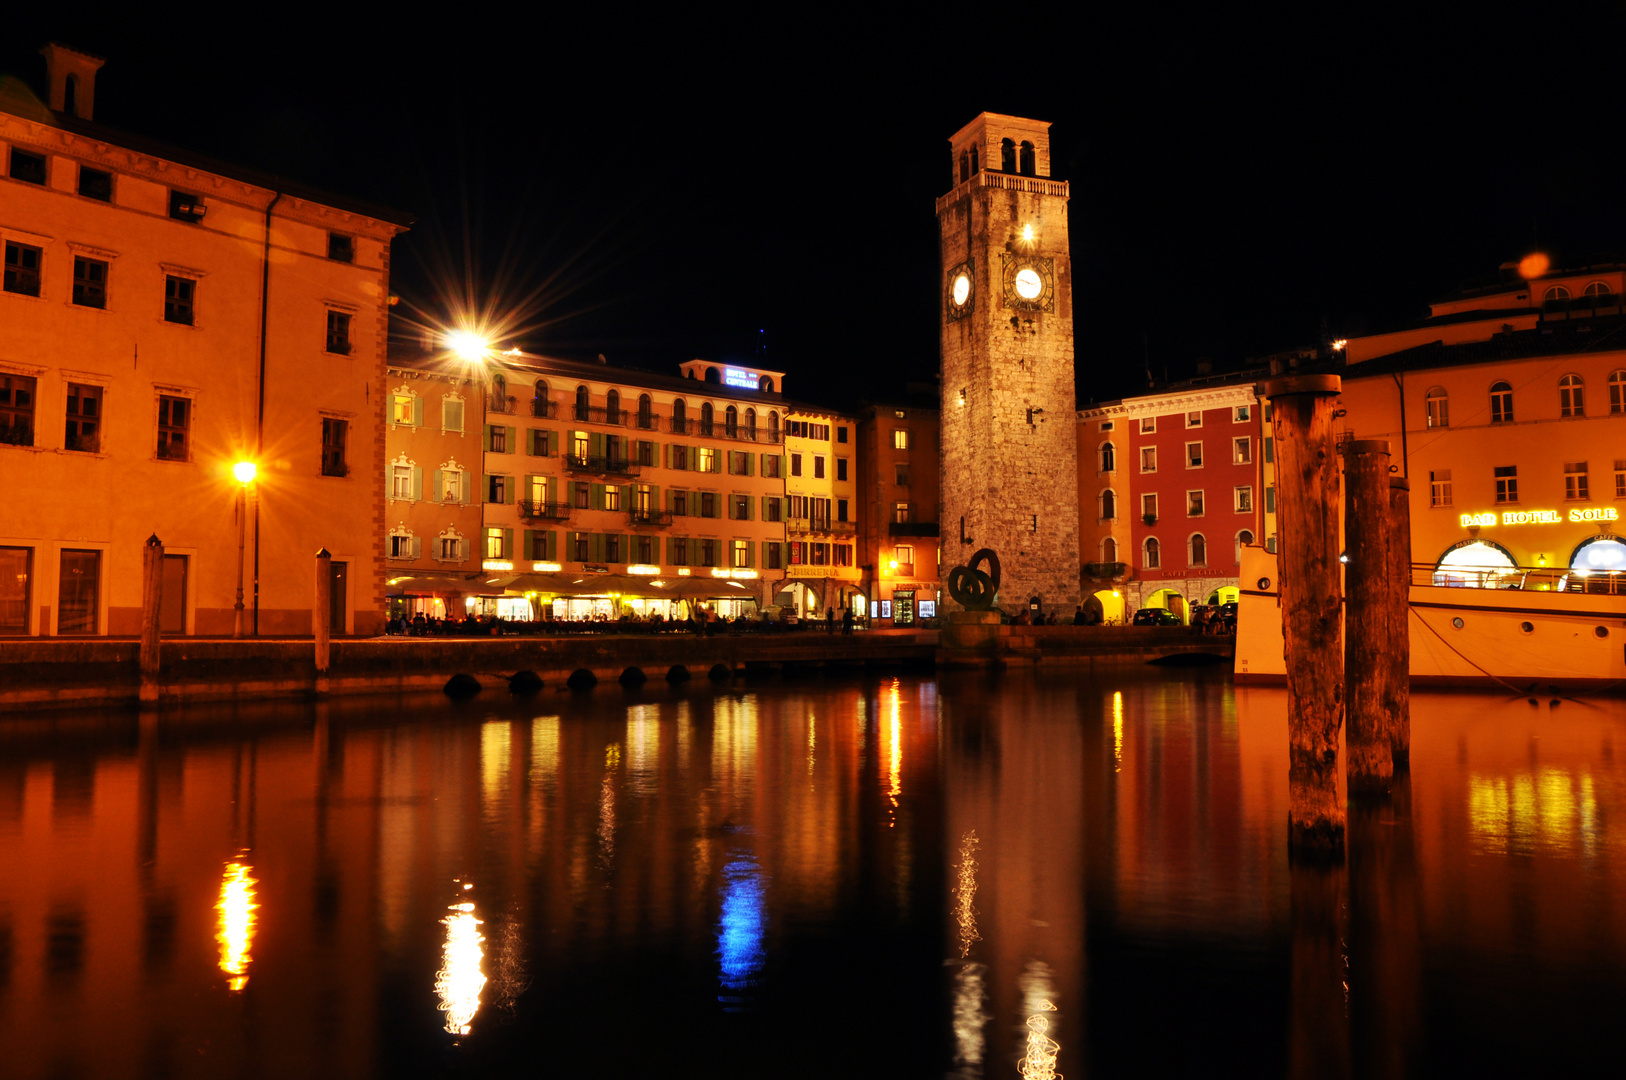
236, 908
970, 1018
740, 928
812, 742
895, 753
1117, 730
1038, 1060
965, 892
460, 980
606, 803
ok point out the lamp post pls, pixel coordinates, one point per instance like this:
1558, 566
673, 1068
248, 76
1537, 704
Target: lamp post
244, 472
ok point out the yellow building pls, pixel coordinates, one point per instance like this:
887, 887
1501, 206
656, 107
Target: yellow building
1509, 421
433, 457
167, 317
821, 450
610, 491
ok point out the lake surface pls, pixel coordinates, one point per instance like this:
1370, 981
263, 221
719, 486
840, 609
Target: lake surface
915, 877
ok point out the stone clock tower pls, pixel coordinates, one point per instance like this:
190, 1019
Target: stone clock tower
1009, 438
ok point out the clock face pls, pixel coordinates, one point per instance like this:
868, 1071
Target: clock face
962, 289
1028, 283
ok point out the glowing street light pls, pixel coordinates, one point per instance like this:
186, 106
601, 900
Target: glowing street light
245, 472
467, 345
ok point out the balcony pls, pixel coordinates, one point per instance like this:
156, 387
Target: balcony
600, 466
595, 414
817, 526
544, 511
505, 405
1105, 571
911, 528
649, 519
844, 528
543, 410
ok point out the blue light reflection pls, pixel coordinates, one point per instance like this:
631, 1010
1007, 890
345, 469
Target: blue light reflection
740, 927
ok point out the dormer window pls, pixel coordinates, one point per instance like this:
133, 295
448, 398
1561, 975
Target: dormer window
341, 248
1555, 295
186, 207
1597, 288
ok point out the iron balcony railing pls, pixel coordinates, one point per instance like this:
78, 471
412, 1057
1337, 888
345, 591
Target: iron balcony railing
544, 410
1105, 571
597, 414
649, 518
719, 429
496, 404
544, 511
601, 465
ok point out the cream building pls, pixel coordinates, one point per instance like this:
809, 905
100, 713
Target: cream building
821, 492
168, 316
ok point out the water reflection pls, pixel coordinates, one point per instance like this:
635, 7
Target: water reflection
236, 911
1038, 1060
740, 927
1554, 809
460, 979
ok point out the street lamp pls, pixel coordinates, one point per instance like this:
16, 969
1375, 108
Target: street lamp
244, 472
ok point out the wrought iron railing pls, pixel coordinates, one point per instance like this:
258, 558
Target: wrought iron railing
544, 511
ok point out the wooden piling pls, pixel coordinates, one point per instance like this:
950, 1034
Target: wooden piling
1367, 647
1307, 520
322, 617
1397, 680
152, 601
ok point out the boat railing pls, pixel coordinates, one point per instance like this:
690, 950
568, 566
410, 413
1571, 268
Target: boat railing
1526, 578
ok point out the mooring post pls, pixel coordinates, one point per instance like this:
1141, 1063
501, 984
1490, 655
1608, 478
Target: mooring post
1397, 608
152, 600
1307, 519
322, 617
1366, 616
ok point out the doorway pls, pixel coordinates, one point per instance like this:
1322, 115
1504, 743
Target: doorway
172, 607
338, 579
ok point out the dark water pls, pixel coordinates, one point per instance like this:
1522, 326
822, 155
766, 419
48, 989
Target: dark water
915, 877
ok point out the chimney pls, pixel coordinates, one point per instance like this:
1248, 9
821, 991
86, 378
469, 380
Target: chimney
71, 76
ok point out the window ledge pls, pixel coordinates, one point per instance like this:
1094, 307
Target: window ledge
182, 325
86, 307
23, 296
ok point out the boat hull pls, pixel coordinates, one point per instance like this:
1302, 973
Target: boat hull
1508, 639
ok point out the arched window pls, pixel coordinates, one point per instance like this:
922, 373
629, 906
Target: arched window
646, 412
731, 422
1007, 156
1571, 396
1029, 164
1199, 550
1109, 550
1109, 505
751, 424
713, 375
1555, 295
765, 384
1473, 562
612, 407
680, 417
705, 418
1109, 457
973, 161
1149, 553
1617, 392
582, 402
1501, 403
965, 166
1597, 288
499, 394
1243, 539
540, 404
1438, 407
773, 427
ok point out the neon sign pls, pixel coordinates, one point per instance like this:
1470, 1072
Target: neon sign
1541, 517
547, 567
496, 564
733, 376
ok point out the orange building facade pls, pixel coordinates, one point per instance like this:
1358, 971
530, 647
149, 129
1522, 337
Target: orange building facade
899, 469
169, 317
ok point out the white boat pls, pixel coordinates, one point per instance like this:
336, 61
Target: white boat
1522, 629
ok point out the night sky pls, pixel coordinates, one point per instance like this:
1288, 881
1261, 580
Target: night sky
657, 188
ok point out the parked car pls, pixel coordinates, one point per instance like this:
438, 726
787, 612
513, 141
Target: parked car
1156, 616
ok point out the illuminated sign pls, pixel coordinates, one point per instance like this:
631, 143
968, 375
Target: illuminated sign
1541, 517
496, 564
684, 571
644, 571
546, 567
733, 376
743, 575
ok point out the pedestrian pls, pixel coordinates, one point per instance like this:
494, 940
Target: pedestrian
847, 622
829, 620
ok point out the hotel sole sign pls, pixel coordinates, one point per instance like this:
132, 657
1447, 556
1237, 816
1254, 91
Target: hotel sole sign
1540, 517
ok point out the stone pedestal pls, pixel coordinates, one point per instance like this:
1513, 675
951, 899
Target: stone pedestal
969, 639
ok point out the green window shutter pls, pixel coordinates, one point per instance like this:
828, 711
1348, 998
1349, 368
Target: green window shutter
750, 510
595, 497
654, 497
485, 438
417, 547
468, 488
1270, 450
626, 496
508, 543
530, 545
417, 412
595, 546
417, 484
570, 542
439, 489
510, 444
595, 443
750, 463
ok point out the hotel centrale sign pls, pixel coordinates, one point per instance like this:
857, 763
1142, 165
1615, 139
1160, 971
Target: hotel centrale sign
1540, 517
